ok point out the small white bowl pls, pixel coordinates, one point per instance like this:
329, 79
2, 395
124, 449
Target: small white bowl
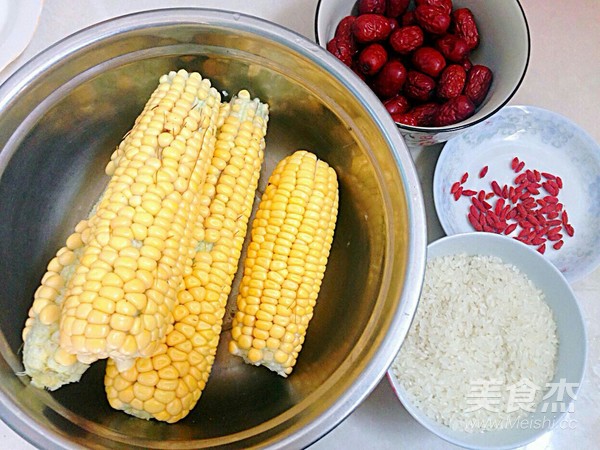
572, 346
504, 48
545, 141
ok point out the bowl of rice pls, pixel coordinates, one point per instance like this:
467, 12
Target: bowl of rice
496, 351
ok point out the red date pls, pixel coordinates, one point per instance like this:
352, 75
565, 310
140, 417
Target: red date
344, 28
418, 86
372, 58
371, 28
371, 6
419, 116
432, 19
464, 26
478, 83
390, 79
425, 113
453, 111
416, 56
344, 33
397, 105
453, 48
444, 5
395, 8
406, 39
341, 50
405, 118
429, 61
451, 82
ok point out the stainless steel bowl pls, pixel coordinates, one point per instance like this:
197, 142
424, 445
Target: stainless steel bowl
60, 118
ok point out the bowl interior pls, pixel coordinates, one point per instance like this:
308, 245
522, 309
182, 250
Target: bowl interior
572, 349
545, 141
504, 48
61, 119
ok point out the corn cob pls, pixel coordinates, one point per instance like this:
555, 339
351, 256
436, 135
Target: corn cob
117, 281
45, 362
167, 385
292, 235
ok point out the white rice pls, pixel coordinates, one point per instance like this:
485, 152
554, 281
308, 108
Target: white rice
479, 323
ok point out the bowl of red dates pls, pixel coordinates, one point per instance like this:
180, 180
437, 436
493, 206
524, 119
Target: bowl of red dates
438, 66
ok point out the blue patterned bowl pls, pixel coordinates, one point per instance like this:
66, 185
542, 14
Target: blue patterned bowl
545, 141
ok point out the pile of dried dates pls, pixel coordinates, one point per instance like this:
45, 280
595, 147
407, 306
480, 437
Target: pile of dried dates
416, 57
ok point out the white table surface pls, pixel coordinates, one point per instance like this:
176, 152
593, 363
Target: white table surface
563, 76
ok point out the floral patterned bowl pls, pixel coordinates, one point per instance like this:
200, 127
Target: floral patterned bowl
505, 48
544, 141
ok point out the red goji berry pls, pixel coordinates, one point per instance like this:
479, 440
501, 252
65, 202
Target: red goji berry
521, 178
559, 182
488, 228
500, 226
475, 223
548, 176
509, 229
478, 204
538, 240
499, 205
483, 171
524, 195
458, 193
532, 219
569, 229
514, 163
496, 188
530, 176
554, 230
